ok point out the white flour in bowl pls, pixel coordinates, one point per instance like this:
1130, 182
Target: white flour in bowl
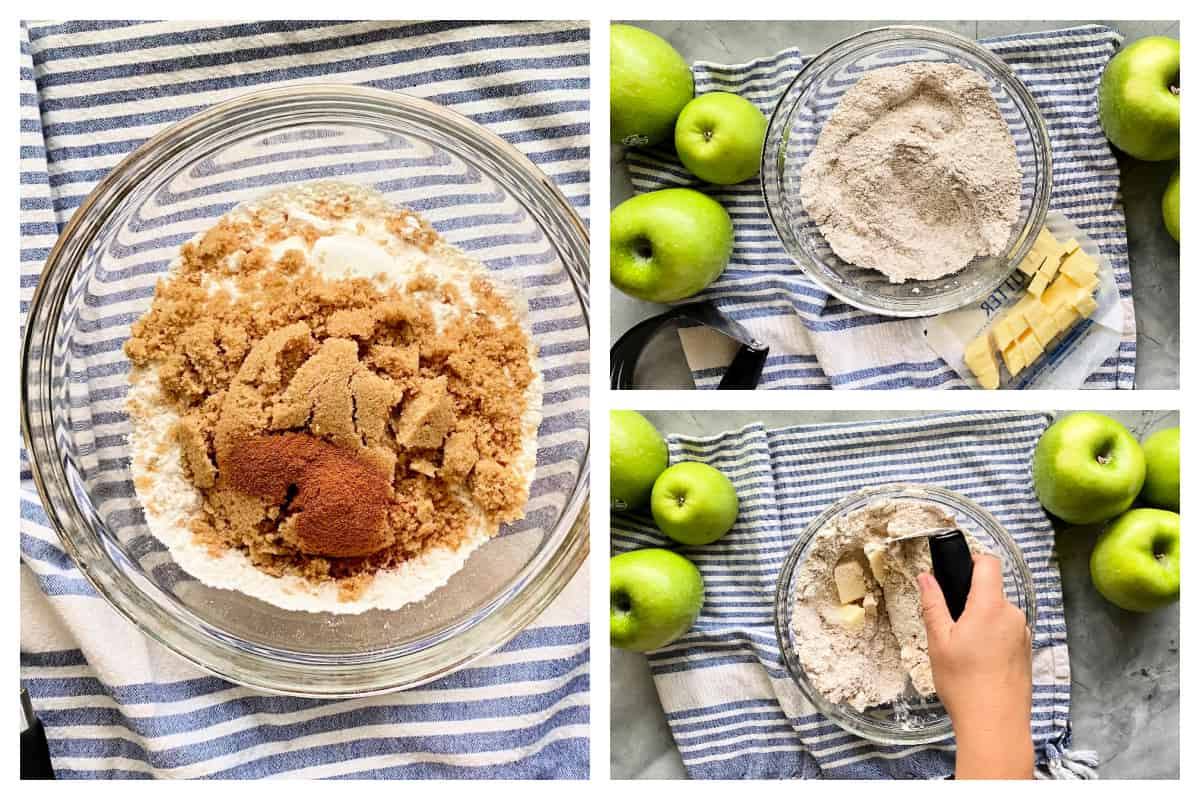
915, 174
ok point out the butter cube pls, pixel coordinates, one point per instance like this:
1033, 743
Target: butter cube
989, 378
1049, 268
850, 616
1079, 267
1030, 347
1085, 305
1069, 246
1013, 358
851, 581
1032, 262
1003, 332
1064, 318
1038, 284
874, 553
1058, 294
1041, 323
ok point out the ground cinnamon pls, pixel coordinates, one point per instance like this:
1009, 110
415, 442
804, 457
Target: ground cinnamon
340, 502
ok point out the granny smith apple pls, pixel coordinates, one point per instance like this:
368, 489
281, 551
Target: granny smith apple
1135, 563
719, 138
1087, 468
668, 245
637, 455
1139, 99
654, 598
1161, 489
1170, 206
649, 84
693, 503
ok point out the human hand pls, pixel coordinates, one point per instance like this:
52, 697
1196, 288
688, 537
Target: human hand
983, 673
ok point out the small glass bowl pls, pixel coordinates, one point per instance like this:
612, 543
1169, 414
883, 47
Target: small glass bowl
801, 114
484, 197
912, 719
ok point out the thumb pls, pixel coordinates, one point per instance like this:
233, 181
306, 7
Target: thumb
933, 608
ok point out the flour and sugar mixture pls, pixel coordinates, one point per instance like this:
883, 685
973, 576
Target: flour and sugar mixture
915, 174
857, 616
331, 407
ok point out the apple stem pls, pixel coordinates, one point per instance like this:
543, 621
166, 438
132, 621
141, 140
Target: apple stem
1104, 458
1175, 91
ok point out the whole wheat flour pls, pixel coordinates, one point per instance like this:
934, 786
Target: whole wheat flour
863, 650
915, 173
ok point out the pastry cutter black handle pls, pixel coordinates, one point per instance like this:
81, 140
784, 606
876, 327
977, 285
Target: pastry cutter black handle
35, 749
742, 373
952, 568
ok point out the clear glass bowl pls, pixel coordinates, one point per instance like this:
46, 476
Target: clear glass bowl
912, 719
792, 134
483, 196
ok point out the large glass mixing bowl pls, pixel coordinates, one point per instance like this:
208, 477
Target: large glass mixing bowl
803, 111
483, 196
911, 719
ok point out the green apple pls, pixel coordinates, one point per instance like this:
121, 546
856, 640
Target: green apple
1087, 468
1161, 489
1170, 206
654, 597
649, 84
637, 455
693, 503
719, 138
1139, 99
668, 245
1135, 563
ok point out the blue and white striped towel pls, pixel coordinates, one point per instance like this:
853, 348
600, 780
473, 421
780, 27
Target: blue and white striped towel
114, 703
732, 707
819, 342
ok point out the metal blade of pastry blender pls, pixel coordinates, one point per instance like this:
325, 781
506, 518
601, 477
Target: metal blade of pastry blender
919, 535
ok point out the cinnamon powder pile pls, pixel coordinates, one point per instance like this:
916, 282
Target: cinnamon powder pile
335, 428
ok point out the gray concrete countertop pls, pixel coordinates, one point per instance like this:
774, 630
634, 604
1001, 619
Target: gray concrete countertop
1153, 254
1124, 667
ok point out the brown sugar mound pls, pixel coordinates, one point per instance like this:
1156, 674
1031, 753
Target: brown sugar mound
340, 502
334, 427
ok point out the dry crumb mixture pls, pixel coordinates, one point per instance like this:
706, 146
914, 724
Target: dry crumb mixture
336, 427
871, 659
915, 174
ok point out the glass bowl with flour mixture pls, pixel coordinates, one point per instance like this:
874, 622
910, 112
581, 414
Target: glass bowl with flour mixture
909, 195
866, 672
485, 200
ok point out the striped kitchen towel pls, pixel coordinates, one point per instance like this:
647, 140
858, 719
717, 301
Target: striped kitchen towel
116, 704
731, 706
819, 342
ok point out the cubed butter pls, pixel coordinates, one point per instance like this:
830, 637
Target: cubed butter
989, 378
851, 581
850, 616
1049, 268
1003, 333
1064, 318
1031, 263
1057, 295
1079, 267
1030, 347
874, 553
1085, 305
1013, 358
1038, 284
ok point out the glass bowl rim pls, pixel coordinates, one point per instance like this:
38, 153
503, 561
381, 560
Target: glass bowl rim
791, 662
523, 597
937, 37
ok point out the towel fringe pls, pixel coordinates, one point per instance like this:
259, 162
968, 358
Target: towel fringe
1066, 764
